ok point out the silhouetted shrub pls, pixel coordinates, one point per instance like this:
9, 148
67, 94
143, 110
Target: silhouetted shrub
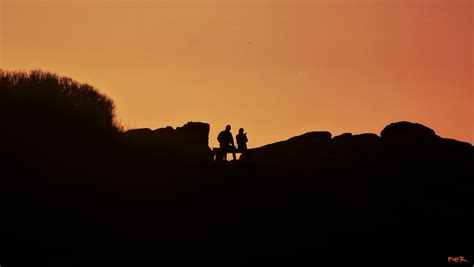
41, 111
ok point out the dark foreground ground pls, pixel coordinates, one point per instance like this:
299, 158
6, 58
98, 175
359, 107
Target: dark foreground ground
134, 208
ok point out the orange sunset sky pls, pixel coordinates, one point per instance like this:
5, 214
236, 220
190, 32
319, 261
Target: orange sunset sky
277, 68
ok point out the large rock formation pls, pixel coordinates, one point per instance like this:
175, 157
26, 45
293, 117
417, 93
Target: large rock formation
408, 133
348, 140
189, 141
402, 147
304, 150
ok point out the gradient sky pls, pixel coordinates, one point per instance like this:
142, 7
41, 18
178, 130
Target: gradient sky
277, 68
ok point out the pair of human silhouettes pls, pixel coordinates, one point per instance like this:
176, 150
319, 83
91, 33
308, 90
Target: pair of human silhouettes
226, 142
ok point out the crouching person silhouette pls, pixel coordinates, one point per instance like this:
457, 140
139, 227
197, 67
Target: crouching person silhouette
241, 140
226, 143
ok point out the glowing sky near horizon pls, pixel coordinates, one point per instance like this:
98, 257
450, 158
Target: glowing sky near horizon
276, 68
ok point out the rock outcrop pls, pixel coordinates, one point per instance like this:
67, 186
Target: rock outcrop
408, 133
402, 147
189, 141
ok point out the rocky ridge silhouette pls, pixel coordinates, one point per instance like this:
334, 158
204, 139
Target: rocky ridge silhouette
75, 192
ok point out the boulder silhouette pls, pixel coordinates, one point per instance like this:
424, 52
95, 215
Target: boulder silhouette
348, 149
408, 133
403, 147
139, 136
455, 145
296, 151
189, 141
312, 138
416, 149
350, 140
343, 138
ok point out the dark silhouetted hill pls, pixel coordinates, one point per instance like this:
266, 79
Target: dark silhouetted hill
76, 190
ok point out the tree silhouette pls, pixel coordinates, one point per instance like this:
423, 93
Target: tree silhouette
42, 101
46, 116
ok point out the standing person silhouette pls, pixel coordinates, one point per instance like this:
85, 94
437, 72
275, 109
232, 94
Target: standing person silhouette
241, 140
226, 142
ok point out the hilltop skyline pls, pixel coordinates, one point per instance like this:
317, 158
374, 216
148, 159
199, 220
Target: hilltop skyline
275, 68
